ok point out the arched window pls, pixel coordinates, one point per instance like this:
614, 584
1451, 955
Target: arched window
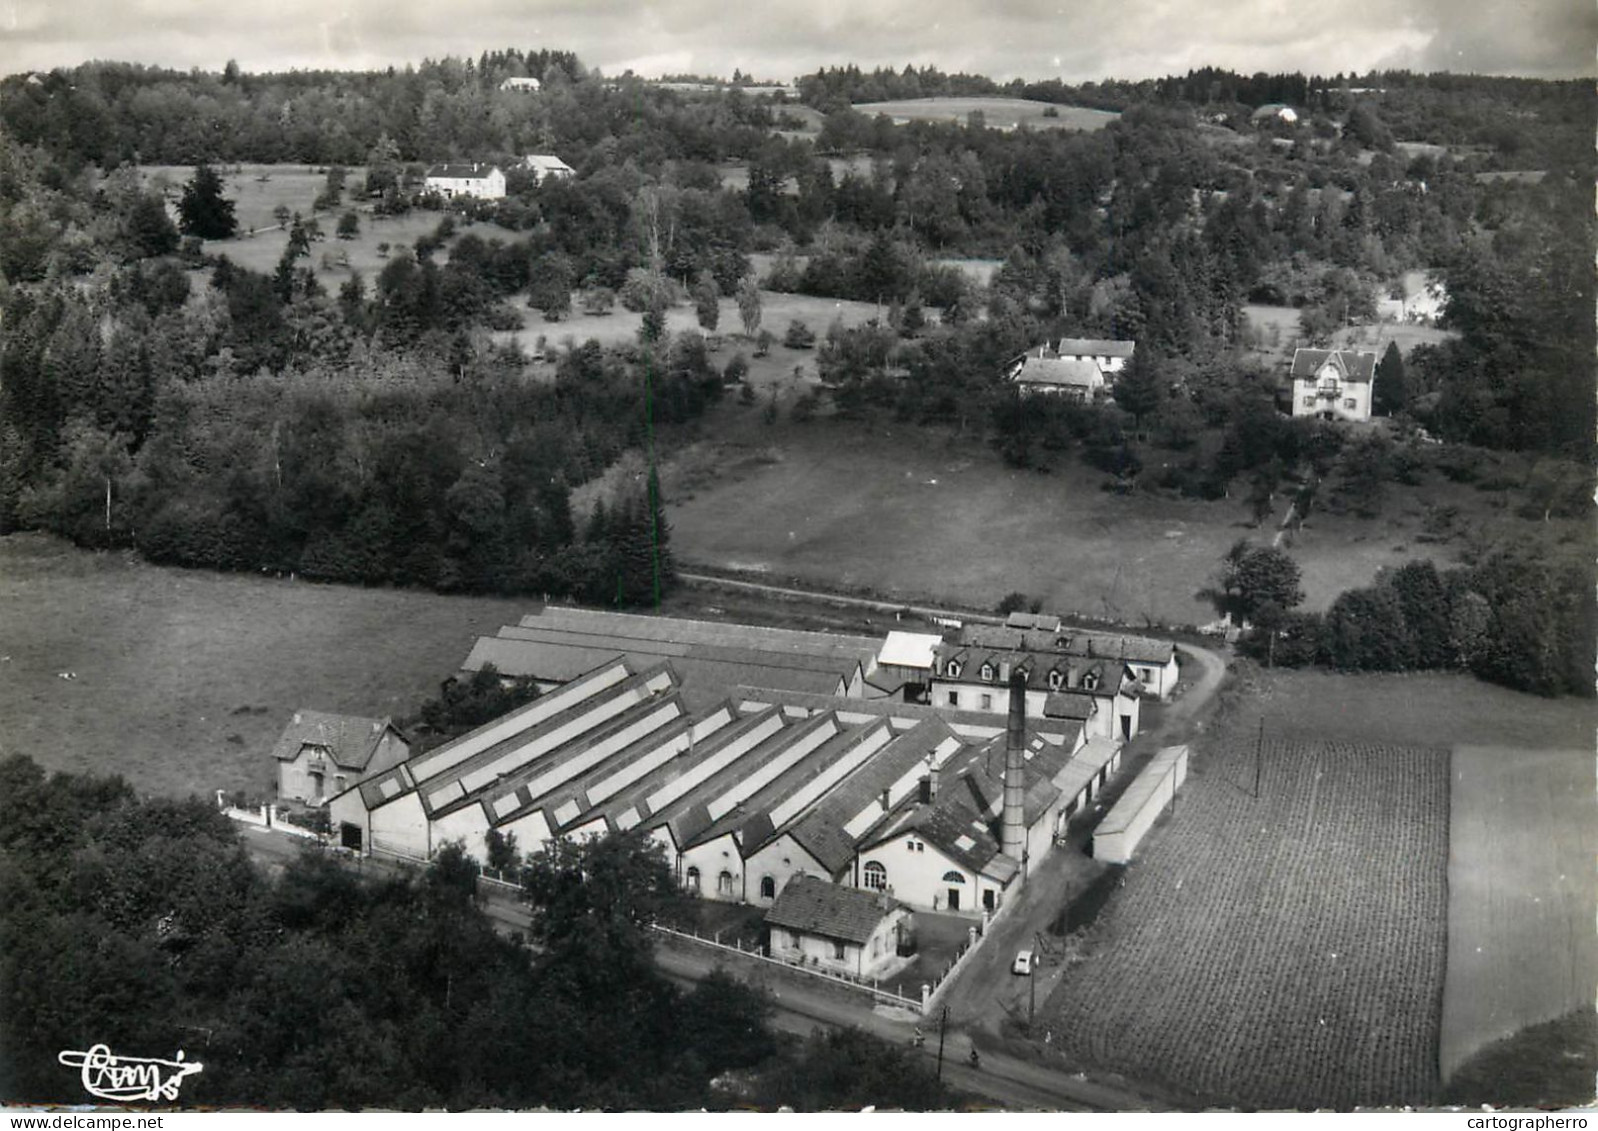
987, 672
874, 876
953, 878
693, 879
1091, 681
953, 669
768, 888
1056, 679
724, 884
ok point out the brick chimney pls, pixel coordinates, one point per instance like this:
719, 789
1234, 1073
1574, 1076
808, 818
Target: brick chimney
1013, 821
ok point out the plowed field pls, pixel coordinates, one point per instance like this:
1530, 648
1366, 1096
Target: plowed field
1280, 952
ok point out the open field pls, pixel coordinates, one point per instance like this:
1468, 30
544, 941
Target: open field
1000, 113
1415, 709
1264, 954
1521, 899
910, 512
1278, 326
256, 190
777, 310
184, 679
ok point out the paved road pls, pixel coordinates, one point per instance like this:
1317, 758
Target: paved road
801, 1006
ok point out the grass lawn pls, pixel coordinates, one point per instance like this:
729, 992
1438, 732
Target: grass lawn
776, 311
1521, 901
913, 512
1001, 113
1278, 326
184, 679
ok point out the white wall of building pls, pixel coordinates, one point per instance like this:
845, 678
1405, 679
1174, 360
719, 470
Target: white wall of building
779, 861
401, 826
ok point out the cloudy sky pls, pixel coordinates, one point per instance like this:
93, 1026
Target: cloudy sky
777, 39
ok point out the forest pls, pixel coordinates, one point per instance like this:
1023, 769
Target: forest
143, 925
158, 395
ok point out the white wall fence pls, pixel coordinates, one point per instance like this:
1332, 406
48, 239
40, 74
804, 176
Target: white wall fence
267, 817
864, 985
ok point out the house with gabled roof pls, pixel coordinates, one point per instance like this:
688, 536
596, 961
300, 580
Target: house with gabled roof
845, 930
1333, 384
546, 165
319, 754
484, 182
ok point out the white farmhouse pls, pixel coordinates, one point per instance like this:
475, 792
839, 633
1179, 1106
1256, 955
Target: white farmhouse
485, 182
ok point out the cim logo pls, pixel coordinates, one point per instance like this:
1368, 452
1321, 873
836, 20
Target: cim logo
124, 1079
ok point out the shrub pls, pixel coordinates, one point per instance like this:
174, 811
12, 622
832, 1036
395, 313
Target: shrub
799, 336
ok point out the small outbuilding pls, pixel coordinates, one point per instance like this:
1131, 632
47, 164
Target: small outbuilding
837, 928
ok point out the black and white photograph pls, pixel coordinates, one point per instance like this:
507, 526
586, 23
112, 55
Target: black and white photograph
665, 557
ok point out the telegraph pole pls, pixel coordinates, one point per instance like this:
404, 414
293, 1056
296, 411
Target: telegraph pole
943, 1026
1259, 744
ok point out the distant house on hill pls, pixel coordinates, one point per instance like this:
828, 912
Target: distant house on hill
1274, 112
524, 85
1333, 384
1043, 372
485, 182
320, 754
1072, 367
543, 165
1109, 355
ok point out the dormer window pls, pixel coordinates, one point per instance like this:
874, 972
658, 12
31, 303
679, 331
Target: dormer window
1091, 681
1056, 680
952, 669
987, 672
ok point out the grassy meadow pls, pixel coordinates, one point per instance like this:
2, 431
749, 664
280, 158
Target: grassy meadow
1000, 113
911, 512
182, 680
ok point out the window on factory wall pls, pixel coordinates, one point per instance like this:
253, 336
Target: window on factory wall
768, 888
794, 939
875, 876
953, 878
954, 698
987, 702
838, 951
693, 879
724, 884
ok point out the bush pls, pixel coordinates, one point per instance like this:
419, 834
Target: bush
1012, 603
799, 336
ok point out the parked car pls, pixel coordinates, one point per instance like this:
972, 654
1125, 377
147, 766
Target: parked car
1025, 963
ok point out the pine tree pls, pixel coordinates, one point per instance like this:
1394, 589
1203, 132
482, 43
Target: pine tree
203, 211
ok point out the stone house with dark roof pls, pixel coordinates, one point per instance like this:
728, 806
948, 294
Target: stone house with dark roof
845, 930
320, 754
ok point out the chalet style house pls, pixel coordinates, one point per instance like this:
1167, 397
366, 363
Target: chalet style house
1333, 384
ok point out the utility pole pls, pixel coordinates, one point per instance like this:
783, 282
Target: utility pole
1259, 744
1032, 990
943, 1027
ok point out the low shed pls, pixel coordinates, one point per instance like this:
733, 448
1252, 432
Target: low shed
1117, 837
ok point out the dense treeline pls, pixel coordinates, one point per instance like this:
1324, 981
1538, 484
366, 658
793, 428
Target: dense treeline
125, 367
1514, 619
143, 925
